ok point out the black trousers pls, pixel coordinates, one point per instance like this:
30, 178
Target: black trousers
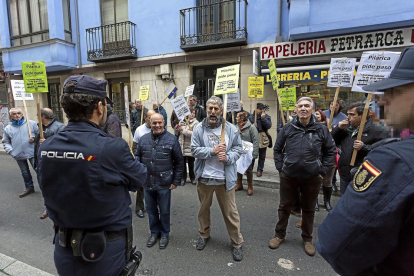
190, 160
309, 190
262, 158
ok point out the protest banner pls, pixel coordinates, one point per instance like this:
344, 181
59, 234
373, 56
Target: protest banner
227, 80
288, 98
19, 93
275, 84
143, 96
35, 81
256, 87
341, 74
189, 90
373, 67
126, 105
180, 107
233, 102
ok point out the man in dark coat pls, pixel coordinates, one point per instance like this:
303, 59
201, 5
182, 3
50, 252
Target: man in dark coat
112, 126
200, 111
160, 151
345, 135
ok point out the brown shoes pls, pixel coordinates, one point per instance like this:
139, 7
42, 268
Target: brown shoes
299, 224
26, 193
259, 174
275, 242
44, 215
250, 189
239, 185
309, 248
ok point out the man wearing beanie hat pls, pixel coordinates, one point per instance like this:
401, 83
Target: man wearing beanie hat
370, 231
85, 177
263, 124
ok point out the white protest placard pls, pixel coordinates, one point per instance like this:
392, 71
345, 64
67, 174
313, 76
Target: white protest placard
180, 107
189, 90
373, 67
126, 101
19, 92
341, 72
233, 101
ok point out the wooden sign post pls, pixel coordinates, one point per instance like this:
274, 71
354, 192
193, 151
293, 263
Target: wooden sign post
333, 108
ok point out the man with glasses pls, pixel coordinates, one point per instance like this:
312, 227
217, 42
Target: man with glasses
19, 143
216, 171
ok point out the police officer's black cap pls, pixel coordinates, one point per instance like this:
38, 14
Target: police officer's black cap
84, 84
402, 74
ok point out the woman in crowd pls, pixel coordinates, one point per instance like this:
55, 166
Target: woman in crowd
248, 133
185, 128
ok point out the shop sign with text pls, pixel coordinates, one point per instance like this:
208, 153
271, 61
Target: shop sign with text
339, 44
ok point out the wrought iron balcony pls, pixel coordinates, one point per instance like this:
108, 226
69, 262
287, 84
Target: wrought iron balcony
211, 25
111, 42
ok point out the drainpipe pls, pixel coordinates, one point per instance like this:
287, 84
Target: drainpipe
279, 25
78, 35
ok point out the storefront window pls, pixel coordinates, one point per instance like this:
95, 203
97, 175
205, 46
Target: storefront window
313, 83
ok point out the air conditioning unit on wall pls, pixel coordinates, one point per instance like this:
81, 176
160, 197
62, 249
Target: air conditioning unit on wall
162, 69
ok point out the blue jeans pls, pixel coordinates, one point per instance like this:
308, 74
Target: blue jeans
158, 203
24, 169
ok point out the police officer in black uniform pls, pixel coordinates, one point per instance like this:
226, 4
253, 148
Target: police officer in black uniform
371, 229
85, 177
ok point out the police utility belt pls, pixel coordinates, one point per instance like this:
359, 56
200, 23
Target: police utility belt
90, 245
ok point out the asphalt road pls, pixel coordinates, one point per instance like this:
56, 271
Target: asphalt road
28, 239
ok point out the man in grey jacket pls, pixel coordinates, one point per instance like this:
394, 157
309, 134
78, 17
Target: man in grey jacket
216, 171
20, 145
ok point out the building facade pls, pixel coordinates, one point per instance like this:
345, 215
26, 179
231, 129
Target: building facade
135, 43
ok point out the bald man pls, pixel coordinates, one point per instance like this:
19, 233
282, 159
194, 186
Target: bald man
141, 131
50, 128
160, 152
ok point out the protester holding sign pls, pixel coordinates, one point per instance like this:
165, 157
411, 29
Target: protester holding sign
136, 115
200, 111
248, 132
263, 124
19, 143
185, 128
338, 115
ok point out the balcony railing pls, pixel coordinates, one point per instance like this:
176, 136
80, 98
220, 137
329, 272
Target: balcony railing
111, 42
214, 25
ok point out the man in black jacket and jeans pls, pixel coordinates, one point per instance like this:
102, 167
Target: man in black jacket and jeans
345, 135
160, 151
303, 153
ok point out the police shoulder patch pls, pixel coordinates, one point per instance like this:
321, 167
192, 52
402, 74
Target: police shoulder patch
364, 177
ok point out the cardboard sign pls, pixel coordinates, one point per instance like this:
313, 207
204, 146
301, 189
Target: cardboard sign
144, 92
189, 90
180, 107
35, 78
273, 74
341, 72
288, 98
373, 67
233, 102
171, 90
19, 93
256, 87
227, 80
126, 101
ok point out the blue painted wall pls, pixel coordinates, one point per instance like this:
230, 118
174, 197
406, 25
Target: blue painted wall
316, 18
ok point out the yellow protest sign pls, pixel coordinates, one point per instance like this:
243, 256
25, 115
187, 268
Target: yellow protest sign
288, 98
256, 87
227, 80
34, 76
144, 92
273, 74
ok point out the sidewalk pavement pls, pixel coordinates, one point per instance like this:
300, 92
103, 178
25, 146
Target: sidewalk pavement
13, 267
269, 179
